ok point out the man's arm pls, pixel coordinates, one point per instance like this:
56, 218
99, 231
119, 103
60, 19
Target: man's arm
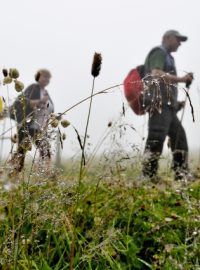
172, 78
156, 67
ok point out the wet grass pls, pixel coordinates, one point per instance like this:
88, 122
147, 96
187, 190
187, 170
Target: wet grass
108, 221
99, 215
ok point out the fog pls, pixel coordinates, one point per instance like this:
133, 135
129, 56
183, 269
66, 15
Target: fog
63, 35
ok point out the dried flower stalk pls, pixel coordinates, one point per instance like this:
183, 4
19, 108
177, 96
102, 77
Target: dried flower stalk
96, 65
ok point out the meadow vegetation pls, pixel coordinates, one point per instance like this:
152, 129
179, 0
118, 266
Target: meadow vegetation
96, 213
108, 221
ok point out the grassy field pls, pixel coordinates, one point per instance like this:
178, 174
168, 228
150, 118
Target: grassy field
108, 220
96, 213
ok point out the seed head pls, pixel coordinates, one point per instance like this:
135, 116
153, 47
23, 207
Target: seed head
109, 124
65, 123
14, 138
27, 145
13, 73
5, 72
19, 86
96, 65
7, 80
52, 116
54, 123
63, 136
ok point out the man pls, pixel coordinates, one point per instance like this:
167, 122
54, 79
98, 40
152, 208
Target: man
163, 120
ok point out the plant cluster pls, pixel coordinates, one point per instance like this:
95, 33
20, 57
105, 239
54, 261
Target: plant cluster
113, 226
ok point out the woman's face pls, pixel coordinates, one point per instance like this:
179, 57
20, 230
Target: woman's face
44, 80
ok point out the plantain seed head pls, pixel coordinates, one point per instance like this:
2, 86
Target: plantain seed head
14, 138
19, 86
13, 73
96, 65
65, 123
54, 123
63, 136
5, 72
7, 80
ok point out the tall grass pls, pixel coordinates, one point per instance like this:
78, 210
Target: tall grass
111, 220
118, 224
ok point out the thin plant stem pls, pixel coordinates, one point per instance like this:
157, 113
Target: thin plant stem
85, 135
83, 162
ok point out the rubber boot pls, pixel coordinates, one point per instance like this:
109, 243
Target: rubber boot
180, 164
150, 166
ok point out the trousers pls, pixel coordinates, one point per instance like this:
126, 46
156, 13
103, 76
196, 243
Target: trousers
26, 137
160, 126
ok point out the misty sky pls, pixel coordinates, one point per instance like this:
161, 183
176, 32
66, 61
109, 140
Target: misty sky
63, 35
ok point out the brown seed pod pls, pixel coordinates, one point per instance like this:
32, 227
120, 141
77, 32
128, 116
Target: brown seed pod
5, 72
27, 145
96, 65
7, 80
64, 136
19, 86
109, 124
14, 138
13, 73
65, 123
52, 115
54, 123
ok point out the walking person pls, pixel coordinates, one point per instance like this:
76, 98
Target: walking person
163, 120
36, 105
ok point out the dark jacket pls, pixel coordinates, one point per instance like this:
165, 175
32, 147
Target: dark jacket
21, 107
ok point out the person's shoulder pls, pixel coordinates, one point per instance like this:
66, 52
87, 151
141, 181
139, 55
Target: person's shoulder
31, 90
31, 86
158, 49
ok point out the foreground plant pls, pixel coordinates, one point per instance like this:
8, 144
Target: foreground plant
117, 226
11, 76
96, 67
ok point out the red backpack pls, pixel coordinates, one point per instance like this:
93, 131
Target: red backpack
133, 88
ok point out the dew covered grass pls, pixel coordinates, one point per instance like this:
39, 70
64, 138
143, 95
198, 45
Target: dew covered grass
109, 220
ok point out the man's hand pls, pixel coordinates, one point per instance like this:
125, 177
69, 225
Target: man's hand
187, 78
172, 78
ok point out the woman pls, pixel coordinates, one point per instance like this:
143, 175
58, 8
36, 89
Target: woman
32, 116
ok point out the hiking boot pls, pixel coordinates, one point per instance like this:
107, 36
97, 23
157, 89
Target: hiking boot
185, 176
155, 179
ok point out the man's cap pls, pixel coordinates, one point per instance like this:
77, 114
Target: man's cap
176, 34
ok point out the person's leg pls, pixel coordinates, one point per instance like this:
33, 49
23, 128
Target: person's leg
153, 150
158, 129
179, 148
18, 158
44, 148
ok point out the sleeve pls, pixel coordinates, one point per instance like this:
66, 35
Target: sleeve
157, 60
52, 104
29, 93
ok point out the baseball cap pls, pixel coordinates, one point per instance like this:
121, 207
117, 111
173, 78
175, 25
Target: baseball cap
176, 34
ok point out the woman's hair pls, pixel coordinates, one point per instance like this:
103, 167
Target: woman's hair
40, 72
